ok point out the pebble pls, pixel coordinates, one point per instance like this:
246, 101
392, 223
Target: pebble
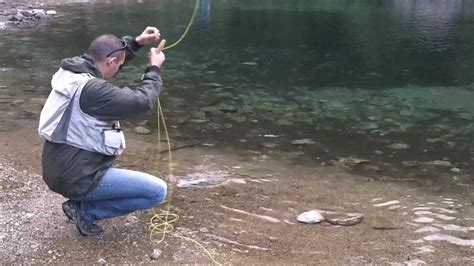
156, 254
102, 261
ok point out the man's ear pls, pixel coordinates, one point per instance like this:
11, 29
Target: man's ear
111, 60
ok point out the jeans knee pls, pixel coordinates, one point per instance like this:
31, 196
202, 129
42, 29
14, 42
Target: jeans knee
160, 194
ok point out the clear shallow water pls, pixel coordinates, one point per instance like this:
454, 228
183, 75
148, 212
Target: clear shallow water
358, 78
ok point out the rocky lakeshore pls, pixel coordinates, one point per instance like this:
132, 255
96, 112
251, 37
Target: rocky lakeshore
323, 175
19, 14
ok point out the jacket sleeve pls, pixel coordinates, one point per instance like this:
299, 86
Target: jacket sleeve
104, 101
132, 48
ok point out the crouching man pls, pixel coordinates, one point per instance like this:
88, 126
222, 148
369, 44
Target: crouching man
83, 137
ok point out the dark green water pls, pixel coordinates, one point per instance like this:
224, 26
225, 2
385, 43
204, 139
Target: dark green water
357, 77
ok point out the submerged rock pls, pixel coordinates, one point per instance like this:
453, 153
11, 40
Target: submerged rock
409, 163
269, 145
399, 146
455, 170
284, 122
198, 121
352, 161
310, 217
142, 130
344, 219
38, 100
369, 125
440, 163
303, 142
51, 13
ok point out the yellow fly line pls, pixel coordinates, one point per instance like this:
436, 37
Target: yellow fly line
162, 223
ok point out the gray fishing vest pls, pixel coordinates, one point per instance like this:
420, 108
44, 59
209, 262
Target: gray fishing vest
63, 121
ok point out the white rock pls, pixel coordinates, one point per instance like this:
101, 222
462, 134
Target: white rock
156, 254
429, 229
437, 215
425, 249
387, 203
51, 12
453, 227
415, 262
450, 239
310, 217
423, 220
192, 183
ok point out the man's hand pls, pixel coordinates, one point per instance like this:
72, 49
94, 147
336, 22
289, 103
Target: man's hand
149, 35
156, 57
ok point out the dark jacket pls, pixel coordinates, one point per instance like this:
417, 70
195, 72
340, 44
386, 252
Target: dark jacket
73, 172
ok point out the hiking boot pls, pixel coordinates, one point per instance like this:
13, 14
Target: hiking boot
71, 210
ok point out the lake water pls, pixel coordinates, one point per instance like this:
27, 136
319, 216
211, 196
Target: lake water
388, 81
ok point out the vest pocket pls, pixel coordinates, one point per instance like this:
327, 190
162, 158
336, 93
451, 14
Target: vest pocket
113, 141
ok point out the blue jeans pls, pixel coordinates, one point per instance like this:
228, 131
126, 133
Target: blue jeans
121, 192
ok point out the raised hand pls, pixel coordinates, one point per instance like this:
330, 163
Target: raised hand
156, 57
149, 35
